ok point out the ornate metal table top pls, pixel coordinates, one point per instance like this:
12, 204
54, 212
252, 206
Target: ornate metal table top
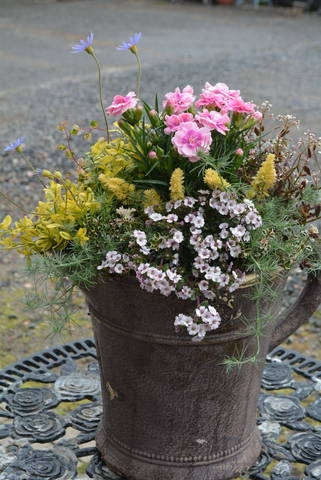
50, 407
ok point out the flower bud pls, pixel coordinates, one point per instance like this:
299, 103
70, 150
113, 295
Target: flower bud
152, 154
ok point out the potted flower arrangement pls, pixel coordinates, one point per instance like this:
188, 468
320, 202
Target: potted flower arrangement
180, 225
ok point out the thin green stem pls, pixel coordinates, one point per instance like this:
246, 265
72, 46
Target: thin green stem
19, 207
101, 95
29, 163
139, 74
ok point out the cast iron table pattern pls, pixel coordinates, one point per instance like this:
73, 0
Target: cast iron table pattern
50, 407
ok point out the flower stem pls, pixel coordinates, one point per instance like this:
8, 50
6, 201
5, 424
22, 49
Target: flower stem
101, 95
29, 163
19, 207
139, 74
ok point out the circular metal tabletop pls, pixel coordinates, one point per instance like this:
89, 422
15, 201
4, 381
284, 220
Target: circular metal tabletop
50, 406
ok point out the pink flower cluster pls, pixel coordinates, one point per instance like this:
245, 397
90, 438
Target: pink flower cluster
192, 133
212, 254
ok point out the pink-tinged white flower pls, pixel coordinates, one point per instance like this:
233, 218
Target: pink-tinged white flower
179, 101
203, 285
214, 120
189, 201
190, 140
173, 276
140, 237
121, 104
237, 104
171, 218
119, 268
173, 122
239, 152
193, 329
182, 320
156, 217
185, 293
238, 231
198, 221
178, 237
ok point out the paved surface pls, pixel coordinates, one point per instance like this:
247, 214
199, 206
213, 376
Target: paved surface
269, 53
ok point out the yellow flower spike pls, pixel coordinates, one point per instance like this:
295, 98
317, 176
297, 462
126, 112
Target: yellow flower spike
176, 186
214, 180
118, 186
6, 222
265, 177
151, 198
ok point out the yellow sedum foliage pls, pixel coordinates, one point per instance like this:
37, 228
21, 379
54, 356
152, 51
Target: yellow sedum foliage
176, 187
111, 158
151, 198
55, 221
265, 177
117, 186
214, 180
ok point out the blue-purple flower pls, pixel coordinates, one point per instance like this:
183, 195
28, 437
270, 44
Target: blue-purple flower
14, 145
132, 42
84, 45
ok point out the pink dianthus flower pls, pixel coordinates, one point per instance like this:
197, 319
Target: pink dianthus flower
174, 121
121, 104
179, 101
190, 139
216, 96
237, 104
214, 120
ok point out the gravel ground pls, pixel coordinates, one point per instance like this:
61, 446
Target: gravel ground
272, 54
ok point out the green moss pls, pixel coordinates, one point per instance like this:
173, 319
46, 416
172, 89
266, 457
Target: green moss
66, 407
82, 468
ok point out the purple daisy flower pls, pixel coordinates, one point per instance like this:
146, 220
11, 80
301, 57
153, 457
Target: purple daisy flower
132, 42
83, 45
14, 145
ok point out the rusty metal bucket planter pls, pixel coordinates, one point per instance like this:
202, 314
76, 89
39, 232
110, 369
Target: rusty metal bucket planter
171, 412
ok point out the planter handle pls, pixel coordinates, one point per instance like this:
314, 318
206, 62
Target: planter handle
300, 312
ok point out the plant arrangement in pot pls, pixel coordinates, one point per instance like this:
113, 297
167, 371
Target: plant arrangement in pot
180, 225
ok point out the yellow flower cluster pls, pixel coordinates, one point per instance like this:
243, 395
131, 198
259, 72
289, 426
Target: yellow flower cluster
176, 187
214, 180
265, 177
56, 221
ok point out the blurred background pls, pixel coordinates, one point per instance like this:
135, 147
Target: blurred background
268, 50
